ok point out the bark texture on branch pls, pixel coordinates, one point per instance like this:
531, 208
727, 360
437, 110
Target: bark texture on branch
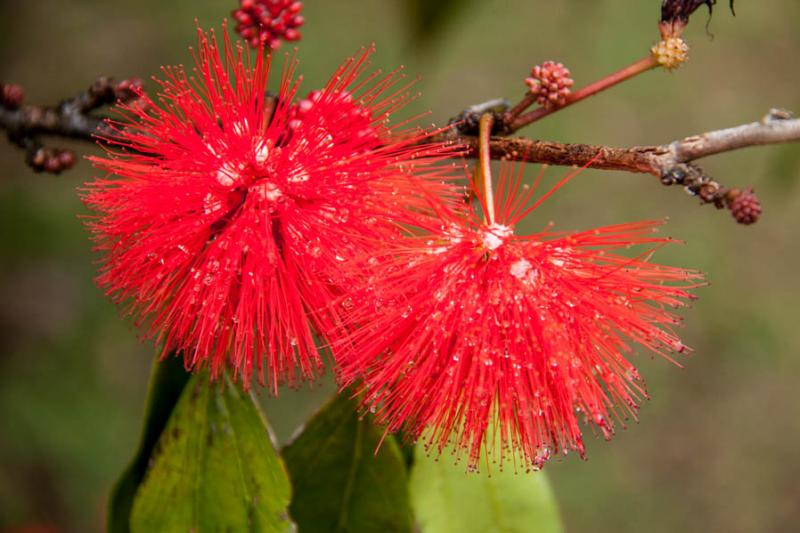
72, 118
66, 120
777, 127
636, 159
673, 163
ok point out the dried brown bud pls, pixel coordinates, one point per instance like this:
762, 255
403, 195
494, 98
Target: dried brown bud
674, 176
672, 10
708, 192
102, 88
675, 14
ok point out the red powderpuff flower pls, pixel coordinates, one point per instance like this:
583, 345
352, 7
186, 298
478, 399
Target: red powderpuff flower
479, 338
230, 219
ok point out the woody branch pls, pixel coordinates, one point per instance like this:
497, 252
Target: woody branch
672, 162
73, 119
776, 127
549, 86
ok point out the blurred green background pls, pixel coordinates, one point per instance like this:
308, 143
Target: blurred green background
716, 449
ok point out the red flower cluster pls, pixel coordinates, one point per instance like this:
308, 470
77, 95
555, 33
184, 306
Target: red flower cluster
237, 227
268, 22
230, 221
485, 339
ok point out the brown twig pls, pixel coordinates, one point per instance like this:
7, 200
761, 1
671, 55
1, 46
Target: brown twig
673, 162
776, 127
65, 120
72, 118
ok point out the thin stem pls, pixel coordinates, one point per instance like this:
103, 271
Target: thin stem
512, 114
484, 132
643, 65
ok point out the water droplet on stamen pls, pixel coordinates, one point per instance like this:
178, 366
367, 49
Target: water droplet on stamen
261, 152
227, 175
268, 191
211, 204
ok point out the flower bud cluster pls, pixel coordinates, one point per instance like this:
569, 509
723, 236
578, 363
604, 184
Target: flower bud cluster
551, 83
11, 95
51, 160
745, 206
268, 22
671, 53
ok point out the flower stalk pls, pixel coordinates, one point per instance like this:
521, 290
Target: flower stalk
486, 124
643, 65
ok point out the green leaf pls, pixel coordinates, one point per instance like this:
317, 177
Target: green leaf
447, 499
214, 468
167, 380
340, 483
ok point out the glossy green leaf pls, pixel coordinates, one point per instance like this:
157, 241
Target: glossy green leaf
214, 468
447, 499
340, 483
167, 380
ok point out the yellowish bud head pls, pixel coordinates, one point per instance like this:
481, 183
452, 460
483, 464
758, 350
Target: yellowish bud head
671, 52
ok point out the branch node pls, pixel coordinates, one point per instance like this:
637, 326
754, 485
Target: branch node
468, 121
777, 114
